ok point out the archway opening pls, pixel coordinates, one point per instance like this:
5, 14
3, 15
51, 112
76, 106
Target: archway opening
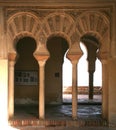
90, 76
90, 47
83, 76
57, 47
26, 76
67, 80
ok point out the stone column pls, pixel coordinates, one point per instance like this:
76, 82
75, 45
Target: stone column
91, 69
11, 85
41, 61
91, 89
74, 89
74, 60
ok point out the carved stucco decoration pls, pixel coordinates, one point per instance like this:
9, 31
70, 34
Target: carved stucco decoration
41, 13
96, 24
59, 24
27, 24
20, 25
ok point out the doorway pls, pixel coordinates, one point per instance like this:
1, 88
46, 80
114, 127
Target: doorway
90, 76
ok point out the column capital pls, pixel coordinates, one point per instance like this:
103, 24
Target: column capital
74, 57
41, 57
12, 56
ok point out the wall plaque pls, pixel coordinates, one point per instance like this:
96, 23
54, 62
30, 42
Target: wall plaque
26, 77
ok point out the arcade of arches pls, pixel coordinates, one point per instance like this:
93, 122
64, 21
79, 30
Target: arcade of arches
35, 36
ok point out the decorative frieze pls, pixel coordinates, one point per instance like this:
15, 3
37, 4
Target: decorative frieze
10, 11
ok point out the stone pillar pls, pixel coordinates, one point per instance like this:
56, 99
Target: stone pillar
105, 95
112, 92
105, 80
74, 60
3, 72
11, 64
3, 92
41, 61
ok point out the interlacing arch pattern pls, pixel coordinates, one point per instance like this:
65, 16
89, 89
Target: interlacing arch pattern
60, 24
23, 22
95, 24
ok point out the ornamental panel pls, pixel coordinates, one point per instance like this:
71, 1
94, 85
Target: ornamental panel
23, 22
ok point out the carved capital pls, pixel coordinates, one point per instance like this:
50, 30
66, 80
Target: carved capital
12, 56
74, 57
41, 57
103, 56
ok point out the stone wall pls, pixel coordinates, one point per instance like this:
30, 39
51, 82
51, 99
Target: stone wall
83, 90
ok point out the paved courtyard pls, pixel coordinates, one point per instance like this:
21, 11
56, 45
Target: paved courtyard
87, 109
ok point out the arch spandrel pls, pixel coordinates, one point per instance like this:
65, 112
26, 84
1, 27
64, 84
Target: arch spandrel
20, 25
97, 24
59, 24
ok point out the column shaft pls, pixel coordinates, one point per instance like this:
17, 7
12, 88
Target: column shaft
74, 89
91, 85
11, 89
41, 61
11, 63
41, 90
74, 58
